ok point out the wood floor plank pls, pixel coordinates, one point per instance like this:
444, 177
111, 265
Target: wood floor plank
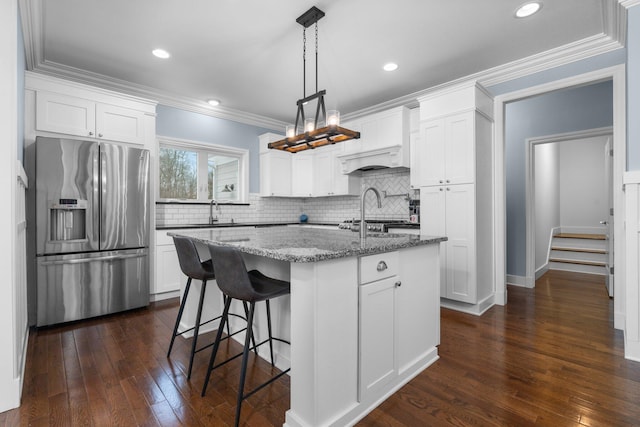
550, 357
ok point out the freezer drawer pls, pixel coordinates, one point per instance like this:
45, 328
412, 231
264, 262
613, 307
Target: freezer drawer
79, 286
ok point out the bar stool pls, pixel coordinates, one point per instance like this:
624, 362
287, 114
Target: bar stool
194, 268
248, 286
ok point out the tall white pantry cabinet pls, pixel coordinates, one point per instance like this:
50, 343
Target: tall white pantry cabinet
454, 151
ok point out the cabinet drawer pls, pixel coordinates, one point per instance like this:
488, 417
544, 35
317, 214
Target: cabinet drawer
379, 266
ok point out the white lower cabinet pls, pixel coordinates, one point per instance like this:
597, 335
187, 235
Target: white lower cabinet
378, 282
169, 277
450, 211
399, 316
377, 334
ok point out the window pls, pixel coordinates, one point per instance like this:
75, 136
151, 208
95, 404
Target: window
197, 171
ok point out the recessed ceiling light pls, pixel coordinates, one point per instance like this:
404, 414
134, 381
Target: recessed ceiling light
390, 66
213, 102
160, 53
528, 9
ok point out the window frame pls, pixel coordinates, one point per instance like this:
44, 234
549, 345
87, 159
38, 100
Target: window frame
206, 149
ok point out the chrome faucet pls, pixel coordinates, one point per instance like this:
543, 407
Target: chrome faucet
211, 218
363, 224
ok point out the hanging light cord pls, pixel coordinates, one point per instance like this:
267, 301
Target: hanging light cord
304, 62
316, 56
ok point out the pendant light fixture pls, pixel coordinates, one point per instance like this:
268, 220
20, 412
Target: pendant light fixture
324, 128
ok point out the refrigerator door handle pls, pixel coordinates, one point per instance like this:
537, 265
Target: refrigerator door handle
86, 260
96, 197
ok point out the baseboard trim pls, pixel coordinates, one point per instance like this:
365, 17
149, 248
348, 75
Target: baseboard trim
476, 309
522, 281
631, 349
540, 272
164, 295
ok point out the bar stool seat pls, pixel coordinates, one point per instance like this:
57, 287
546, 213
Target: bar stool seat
195, 268
250, 287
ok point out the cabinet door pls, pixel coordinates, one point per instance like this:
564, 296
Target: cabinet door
460, 246
414, 167
432, 223
302, 175
459, 151
417, 305
168, 273
431, 153
275, 173
377, 335
323, 172
119, 124
65, 114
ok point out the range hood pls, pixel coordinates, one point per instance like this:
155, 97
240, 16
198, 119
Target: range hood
386, 157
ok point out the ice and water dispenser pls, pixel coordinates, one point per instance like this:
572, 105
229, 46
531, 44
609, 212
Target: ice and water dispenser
68, 220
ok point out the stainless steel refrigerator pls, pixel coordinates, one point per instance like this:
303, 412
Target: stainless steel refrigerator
92, 229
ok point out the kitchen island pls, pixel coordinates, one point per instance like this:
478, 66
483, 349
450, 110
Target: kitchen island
363, 316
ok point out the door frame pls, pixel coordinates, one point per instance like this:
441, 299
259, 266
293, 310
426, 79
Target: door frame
617, 75
531, 143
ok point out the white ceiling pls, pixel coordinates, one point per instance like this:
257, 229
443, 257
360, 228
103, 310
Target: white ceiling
248, 53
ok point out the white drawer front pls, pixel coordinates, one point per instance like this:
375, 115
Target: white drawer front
379, 266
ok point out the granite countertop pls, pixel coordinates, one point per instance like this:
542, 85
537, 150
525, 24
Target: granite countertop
302, 244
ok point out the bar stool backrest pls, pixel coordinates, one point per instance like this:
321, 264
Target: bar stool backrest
190, 262
231, 273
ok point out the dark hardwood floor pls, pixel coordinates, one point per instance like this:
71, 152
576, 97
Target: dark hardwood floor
549, 357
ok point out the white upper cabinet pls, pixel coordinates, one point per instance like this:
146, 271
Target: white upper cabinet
447, 150
72, 109
454, 125
119, 124
65, 114
275, 168
302, 174
328, 179
311, 173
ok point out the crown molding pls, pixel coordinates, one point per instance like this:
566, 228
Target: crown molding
629, 3
614, 37
582, 49
171, 100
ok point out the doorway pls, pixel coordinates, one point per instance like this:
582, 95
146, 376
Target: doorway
570, 190
617, 75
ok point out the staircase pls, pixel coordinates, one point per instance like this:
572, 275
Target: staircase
582, 253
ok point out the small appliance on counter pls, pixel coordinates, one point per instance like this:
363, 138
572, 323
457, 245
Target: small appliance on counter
92, 229
414, 211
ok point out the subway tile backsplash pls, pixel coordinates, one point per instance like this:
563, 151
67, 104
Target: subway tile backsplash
395, 182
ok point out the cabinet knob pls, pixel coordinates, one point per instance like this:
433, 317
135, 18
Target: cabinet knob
440, 181
381, 266
100, 135
448, 189
90, 133
398, 284
441, 189
448, 181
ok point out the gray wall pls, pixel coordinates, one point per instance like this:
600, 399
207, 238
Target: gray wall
569, 110
181, 124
